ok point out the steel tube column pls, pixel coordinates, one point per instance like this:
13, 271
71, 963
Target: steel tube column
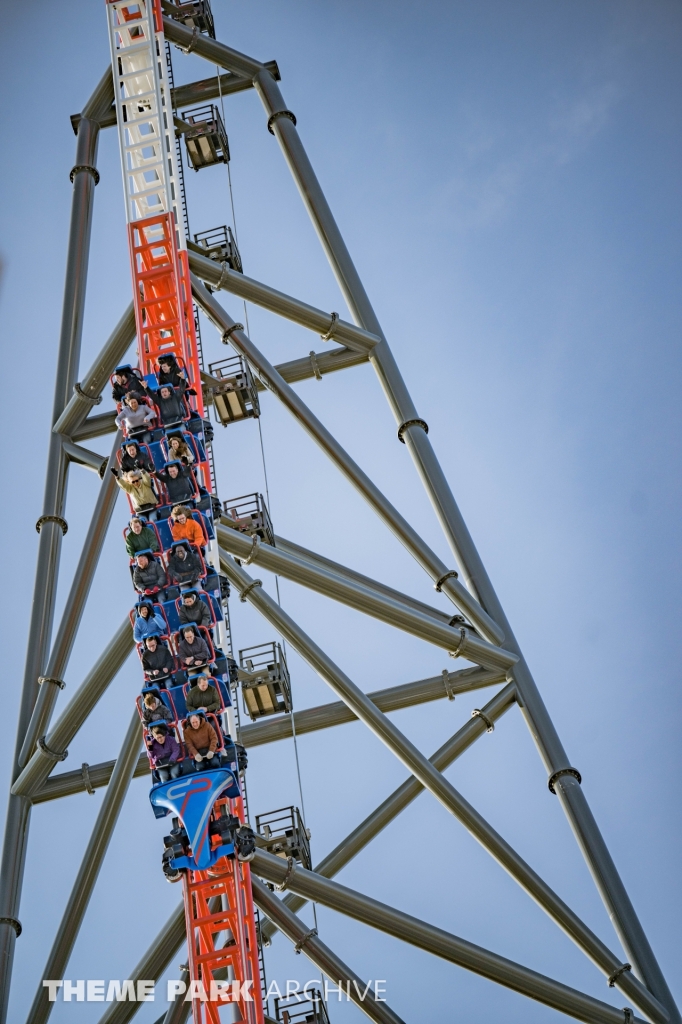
435, 940
420, 766
77, 905
387, 609
540, 724
320, 954
76, 712
87, 394
420, 551
73, 611
402, 797
49, 547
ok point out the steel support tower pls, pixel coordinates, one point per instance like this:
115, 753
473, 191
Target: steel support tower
170, 279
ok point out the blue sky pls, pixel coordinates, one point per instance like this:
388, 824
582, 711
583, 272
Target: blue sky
507, 179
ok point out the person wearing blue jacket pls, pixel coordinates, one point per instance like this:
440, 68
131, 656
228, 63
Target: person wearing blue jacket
147, 623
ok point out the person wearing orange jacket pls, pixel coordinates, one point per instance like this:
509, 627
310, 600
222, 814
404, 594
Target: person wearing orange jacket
183, 527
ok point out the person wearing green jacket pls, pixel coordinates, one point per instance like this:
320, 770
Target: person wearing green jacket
203, 695
140, 537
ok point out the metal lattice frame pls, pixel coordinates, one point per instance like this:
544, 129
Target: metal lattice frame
479, 632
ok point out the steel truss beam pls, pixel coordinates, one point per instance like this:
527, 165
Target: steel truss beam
429, 561
425, 771
288, 547
396, 613
88, 874
219, 275
321, 955
436, 940
192, 94
279, 727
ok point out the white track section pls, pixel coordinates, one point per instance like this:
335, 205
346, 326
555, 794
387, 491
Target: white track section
144, 114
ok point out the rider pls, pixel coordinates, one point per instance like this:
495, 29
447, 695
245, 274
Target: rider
201, 741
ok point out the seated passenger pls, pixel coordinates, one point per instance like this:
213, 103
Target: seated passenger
201, 741
170, 405
148, 576
135, 417
203, 695
157, 660
194, 611
147, 622
126, 382
193, 650
170, 373
183, 566
184, 527
179, 449
165, 753
138, 485
140, 537
178, 482
134, 458
154, 710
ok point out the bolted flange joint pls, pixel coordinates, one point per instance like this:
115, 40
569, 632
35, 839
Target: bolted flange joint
438, 585
52, 519
230, 331
84, 167
477, 713
52, 753
88, 398
247, 589
613, 978
563, 771
13, 923
280, 113
301, 942
411, 423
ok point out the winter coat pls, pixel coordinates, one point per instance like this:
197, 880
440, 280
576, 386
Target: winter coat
208, 699
198, 650
196, 739
189, 530
141, 494
131, 383
169, 750
152, 576
197, 613
153, 626
171, 409
135, 419
139, 461
174, 379
160, 660
145, 540
183, 570
158, 714
180, 488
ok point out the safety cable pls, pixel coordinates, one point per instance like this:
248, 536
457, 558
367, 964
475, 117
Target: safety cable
265, 480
